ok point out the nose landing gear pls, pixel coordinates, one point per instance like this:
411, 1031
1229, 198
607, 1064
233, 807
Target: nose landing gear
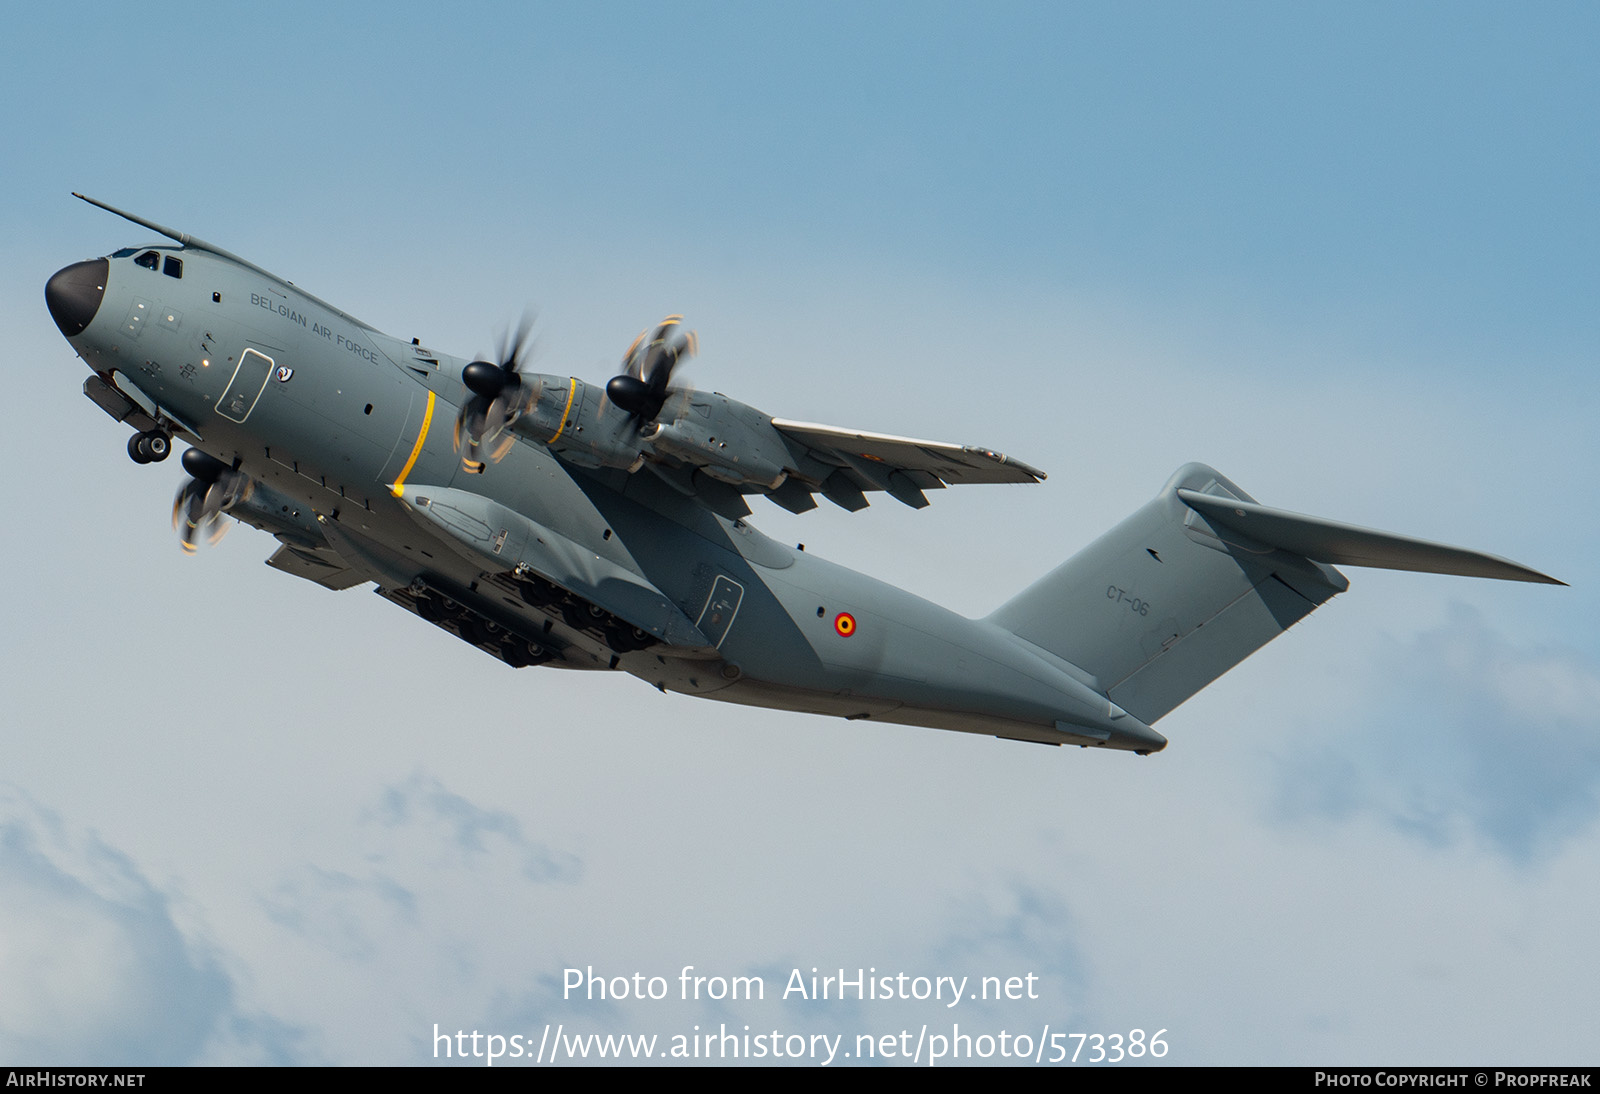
150, 447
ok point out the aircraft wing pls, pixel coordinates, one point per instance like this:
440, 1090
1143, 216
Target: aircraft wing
323, 565
843, 463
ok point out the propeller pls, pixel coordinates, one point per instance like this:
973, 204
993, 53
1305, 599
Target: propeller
644, 386
499, 397
213, 489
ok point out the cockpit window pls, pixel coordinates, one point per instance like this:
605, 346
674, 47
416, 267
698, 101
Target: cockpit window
173, 267
124, 253
149, 260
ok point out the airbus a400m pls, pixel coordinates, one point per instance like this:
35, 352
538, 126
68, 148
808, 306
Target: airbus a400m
550, 521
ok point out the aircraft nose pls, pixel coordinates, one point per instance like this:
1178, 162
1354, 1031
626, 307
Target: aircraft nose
73, 294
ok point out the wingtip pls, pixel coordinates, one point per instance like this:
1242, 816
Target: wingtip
1525, 573
1027, 469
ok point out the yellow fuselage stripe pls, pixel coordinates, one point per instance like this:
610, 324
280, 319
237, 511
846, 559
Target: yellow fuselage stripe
399, 487
571, 392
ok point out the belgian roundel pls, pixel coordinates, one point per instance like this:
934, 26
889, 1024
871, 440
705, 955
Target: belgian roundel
844, 624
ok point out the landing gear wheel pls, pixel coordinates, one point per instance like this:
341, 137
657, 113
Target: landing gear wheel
151, 447
482, 632
518, 654
625, 638
573, 614
538, 592
521, 655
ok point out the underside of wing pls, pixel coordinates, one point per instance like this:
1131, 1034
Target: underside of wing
324, 566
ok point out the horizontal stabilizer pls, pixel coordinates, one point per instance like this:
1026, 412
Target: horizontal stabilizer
1200, 578
1264, 528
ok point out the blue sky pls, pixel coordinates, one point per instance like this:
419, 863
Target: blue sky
1345, 254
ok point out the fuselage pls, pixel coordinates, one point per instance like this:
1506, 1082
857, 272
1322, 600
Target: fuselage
350, 435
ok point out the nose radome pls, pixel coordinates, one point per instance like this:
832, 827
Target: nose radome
73, 294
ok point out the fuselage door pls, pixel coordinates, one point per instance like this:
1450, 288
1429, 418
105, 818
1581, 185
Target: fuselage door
721, 606
245, 388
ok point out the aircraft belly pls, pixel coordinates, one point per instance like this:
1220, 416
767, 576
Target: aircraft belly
760, 693
901, 650
502, 539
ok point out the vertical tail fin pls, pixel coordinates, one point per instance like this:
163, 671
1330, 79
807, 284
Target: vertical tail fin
1199, 579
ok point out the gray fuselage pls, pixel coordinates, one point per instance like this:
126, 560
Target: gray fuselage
349, 434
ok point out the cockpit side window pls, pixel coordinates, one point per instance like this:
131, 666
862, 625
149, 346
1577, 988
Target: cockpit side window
149, 260
173, 267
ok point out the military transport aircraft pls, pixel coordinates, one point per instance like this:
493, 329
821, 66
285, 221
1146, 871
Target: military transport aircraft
551, 521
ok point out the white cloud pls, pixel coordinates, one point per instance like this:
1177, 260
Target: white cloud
425, 907
95, 968
1468, 737
463, 832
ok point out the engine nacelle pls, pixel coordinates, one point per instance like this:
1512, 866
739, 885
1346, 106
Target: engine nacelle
695, 444
729, 441
576, 420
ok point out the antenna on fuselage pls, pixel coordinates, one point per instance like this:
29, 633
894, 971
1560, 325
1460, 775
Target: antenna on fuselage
181, 237
198, 244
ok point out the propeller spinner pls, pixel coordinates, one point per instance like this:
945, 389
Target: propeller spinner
645, 383
198, 511
499, 397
